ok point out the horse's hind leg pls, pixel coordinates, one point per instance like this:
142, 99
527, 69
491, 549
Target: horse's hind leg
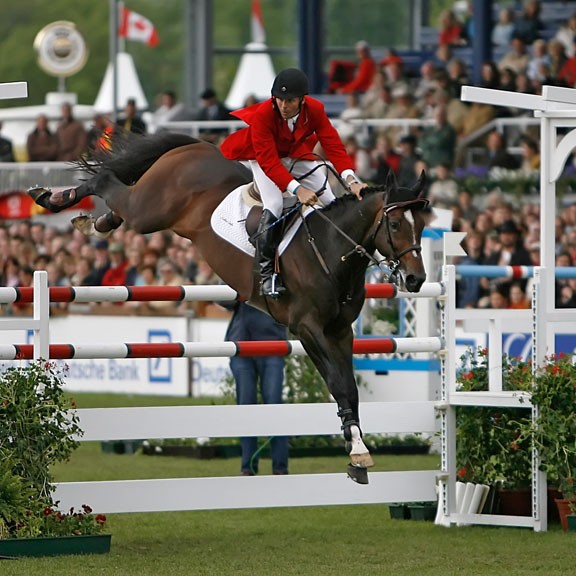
332, 355
100, 227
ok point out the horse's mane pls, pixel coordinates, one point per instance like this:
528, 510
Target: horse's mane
342, 204
132, 155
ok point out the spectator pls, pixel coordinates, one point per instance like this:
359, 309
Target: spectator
540, 61
395, 78
402, 107
498, 298
212, 110
557, 57
101, 263
517, 299
496, 155
115, 275
130, 122
438, 142
530, 154
71, 135
468, 24
427, 80
443, 192
384, 159
529, 26
169, 276
567, 74
352, 111
359, 156
511, 251
364, 72
508, 80
565, 35
504, 28
458, 77
169, 110
100, 134
6, 149
490, 75
42, 144
517, 58
264, 372
450, 30
468, 289
408, 160
378, 106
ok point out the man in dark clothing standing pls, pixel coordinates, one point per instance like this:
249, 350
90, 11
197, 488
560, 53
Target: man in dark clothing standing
6, 150
266, 372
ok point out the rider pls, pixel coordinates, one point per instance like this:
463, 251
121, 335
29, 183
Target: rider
278, 143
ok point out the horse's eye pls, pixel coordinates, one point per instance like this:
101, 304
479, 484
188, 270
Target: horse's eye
394, 225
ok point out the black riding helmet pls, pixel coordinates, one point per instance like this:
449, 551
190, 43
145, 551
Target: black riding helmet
290, 83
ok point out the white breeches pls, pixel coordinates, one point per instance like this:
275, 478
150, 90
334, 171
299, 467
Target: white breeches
272, 195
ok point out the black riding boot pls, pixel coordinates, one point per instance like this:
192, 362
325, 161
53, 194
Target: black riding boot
267, 240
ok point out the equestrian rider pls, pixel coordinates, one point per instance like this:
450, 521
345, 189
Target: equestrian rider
278, 143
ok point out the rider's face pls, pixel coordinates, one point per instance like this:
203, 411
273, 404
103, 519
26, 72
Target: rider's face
288, 107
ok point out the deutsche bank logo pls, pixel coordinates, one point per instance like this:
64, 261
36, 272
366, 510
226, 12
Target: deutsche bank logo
159, 369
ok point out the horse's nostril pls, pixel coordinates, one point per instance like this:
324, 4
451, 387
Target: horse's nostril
413, 283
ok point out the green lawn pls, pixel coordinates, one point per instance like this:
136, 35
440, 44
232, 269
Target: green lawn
290, 541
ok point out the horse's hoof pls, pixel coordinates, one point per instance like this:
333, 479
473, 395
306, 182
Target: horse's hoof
85, 224
363, 460
359, 475
39, 193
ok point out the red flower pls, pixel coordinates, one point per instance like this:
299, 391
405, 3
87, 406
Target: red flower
462, 473
48, 511
101, 519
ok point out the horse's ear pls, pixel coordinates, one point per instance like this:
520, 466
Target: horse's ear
418, 188
391, 187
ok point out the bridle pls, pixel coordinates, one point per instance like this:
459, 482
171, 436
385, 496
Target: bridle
393, 262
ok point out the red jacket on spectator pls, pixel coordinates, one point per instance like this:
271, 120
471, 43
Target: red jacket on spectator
568, 73
363, 77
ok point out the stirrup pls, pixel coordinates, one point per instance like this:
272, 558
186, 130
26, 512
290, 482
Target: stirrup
272, 287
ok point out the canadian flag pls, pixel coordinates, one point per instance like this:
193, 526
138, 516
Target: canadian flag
134, 26
257, 23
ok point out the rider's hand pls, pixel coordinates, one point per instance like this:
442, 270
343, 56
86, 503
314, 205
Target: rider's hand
355, 187
306, 197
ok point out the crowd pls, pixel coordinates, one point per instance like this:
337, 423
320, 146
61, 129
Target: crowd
377, 90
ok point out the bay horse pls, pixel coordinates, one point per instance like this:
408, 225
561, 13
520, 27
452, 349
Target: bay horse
174, 182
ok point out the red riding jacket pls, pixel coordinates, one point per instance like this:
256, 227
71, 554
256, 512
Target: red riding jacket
268, 138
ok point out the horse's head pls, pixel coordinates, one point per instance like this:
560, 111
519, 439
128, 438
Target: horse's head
399, 230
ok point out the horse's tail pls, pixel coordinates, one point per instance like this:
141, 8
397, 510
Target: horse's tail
131, 156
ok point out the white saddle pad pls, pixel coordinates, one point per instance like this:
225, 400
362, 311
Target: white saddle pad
229, 222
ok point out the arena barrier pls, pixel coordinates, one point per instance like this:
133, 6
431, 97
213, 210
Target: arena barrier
295, 419
486, 271
235, 421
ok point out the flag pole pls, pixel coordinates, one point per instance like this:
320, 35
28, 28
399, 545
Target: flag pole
121, 39
113, 4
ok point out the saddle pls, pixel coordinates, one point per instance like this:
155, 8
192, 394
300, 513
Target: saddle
251, 197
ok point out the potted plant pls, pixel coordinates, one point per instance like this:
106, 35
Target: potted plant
554, 428
37, 431
489, 442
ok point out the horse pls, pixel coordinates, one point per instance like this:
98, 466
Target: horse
170, 181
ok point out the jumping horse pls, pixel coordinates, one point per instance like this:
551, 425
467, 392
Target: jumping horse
174, 182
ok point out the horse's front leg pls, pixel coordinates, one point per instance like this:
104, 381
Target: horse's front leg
332, 356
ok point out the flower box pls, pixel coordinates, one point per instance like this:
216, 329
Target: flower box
423, 511
55, 545
399, 512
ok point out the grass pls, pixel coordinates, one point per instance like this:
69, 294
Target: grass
287, 541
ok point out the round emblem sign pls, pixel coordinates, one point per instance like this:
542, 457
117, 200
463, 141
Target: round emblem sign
61, 49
